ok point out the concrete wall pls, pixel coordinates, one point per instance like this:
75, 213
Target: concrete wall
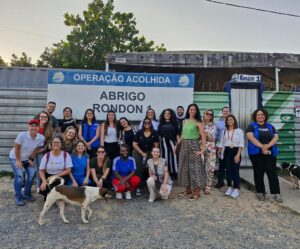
23, 93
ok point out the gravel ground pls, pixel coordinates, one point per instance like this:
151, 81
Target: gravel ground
214, 221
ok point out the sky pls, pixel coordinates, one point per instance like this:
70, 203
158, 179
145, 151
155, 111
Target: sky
30, 26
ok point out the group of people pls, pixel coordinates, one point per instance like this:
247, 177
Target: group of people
177, 146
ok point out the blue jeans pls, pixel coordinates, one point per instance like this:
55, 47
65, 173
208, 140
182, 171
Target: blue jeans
18, 179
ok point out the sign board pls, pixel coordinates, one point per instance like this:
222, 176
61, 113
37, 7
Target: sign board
245, 78
297, 111
128, 94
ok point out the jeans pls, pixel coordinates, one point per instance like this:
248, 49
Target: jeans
18, 179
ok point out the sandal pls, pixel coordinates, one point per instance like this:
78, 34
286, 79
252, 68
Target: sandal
185, 193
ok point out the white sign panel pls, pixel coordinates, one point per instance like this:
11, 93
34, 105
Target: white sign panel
245, 78
128, 94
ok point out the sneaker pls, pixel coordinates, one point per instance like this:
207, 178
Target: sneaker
38, 190
138, 192
119, 195
260, 196
29, 198
278, 198
229, 191
151, 200
235, 193
128, 195
220, 185
19, 202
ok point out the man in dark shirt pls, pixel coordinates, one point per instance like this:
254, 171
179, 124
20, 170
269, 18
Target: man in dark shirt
180, 117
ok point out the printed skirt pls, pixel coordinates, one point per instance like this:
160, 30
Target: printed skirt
191, 168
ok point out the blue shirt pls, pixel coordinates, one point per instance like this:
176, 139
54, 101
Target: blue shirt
124, 168
79, 165
220, 124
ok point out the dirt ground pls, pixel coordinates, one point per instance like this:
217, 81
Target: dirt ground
215, 221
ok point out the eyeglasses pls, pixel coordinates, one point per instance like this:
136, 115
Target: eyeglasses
208, 113
100, 151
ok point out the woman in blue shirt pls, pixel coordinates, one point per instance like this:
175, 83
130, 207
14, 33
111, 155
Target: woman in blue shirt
89, 132
81, 171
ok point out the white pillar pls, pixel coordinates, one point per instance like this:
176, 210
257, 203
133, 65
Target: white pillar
106, 67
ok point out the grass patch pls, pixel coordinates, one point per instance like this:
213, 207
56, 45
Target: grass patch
5, 173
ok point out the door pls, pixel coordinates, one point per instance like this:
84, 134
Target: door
243, 103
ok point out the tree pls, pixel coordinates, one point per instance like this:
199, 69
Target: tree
100, 31
23, 61
2, 62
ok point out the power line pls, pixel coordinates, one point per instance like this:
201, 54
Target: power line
30, 33
252, 8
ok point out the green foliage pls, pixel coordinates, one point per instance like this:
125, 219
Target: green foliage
98, 32
23, 61
2, 62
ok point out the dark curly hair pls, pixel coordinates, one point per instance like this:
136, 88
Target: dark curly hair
197, 116
264, 111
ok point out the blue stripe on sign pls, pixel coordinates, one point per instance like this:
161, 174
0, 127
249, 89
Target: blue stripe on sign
120, 79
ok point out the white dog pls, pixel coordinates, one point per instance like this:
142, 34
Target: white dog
80, 196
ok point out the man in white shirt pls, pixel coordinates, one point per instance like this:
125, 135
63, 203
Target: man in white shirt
22, 157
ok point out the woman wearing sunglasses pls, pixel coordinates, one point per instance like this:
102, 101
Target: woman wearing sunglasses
210, 152
143, 143
100, 167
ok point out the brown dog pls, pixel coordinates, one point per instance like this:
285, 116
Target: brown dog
80, 196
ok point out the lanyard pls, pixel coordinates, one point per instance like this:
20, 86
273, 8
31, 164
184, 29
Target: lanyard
230, 138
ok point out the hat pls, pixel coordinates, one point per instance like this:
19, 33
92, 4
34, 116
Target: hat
34, 121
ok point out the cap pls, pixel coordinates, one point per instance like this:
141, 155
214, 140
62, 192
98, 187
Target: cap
33, 121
